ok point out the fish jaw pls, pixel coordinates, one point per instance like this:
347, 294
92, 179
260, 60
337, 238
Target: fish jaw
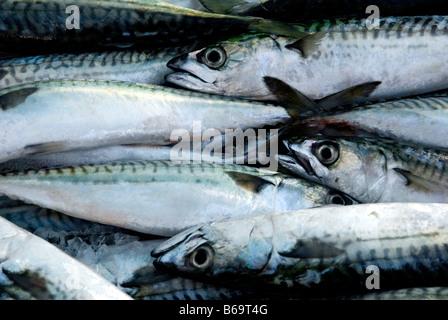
172, 255
191, 74
192, 82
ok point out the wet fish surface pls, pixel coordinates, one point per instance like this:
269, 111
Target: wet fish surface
305, 10
31, 268
418, 121
142, 66
294, 254
331, 58
51, 25
66, 115
138, 195
119, 255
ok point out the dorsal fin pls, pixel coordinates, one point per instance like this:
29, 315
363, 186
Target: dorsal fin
16, 97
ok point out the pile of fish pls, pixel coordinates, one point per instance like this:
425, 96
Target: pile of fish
223, 149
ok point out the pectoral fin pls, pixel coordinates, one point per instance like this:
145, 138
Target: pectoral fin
249, 182
47, 147
14, 98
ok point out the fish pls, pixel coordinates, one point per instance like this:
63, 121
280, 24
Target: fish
371, 170
179, 288
329, 58
139, 195
32, 268
317, 252
418, 120
61, 26
234, 148
422, 293
188, 4
68, 115
119, 255
304, 10
140, 66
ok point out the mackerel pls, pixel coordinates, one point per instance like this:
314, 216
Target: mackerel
120, 256
139, 195
418, 121
371, 170
304, 10
55, 24
141, 66
32, 268
317, 252
334, 57
67, 115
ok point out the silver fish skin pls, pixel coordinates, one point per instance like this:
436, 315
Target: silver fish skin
32, 268
317, 252
304, 10
253, 152
138, 66
108, 23
420, 121
120, 256
67, 115
138, 195
371, 170
333, 58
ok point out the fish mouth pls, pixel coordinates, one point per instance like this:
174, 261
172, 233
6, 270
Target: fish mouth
176, 240
186, 79
297, 162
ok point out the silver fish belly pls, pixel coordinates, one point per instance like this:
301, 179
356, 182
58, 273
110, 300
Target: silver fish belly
67, 115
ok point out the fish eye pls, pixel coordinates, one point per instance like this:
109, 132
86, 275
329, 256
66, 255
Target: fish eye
336, 199
327, 153
202, 257
213, 58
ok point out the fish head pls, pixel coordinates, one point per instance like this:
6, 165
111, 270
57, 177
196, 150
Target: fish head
354, 167
218, 69
218, 250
